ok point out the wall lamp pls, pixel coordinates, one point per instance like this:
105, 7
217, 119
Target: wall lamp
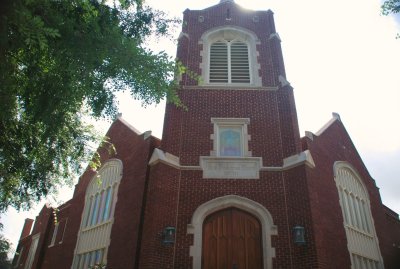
168, 235
299, 235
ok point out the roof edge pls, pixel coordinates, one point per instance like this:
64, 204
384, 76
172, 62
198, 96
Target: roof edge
146, 134
335, 117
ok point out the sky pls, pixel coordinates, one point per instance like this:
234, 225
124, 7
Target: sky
340, 56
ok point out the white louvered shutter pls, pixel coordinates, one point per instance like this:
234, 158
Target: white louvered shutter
219, 62
239, 63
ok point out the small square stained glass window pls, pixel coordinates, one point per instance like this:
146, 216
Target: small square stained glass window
230, 141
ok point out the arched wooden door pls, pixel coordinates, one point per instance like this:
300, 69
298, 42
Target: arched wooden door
231, 240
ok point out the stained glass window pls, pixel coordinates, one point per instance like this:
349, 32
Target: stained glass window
108, 204
99, 209
357, 217
230, 142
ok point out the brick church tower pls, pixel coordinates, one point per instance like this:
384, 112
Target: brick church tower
231, 185
230, 171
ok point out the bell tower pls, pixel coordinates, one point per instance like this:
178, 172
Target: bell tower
238, 55
227, 158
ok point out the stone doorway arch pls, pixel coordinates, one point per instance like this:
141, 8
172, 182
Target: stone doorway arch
242, 203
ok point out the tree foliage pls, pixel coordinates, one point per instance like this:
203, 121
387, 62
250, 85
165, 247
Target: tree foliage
391, 7
5, 247
60, 62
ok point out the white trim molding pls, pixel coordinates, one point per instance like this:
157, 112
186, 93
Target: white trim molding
335, 117
160, 156
304, 157
250, 206
298, 159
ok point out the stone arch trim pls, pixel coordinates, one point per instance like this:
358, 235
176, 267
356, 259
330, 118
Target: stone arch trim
345, 165
116, 164
245, 204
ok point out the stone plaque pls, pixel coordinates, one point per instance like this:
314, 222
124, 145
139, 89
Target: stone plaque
232, 167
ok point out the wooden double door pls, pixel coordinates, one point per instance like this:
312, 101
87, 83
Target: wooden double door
232, 240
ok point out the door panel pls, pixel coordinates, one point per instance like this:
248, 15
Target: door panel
231, 240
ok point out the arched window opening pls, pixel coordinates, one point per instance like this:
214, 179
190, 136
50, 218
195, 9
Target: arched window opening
229, 57
94, 235
358, 222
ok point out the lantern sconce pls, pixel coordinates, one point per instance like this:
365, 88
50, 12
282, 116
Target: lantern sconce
168, 235
299, 235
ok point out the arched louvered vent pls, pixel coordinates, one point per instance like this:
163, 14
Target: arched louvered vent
219, 63
239, 63
229, 62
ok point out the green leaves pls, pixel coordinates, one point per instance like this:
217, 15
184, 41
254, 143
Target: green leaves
390, 6
63, 62
36, 34
5, 247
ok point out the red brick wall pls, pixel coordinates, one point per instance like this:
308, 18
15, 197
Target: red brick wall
60, 254
274, 135
335, 145
42, 227
134, 153
161, 211
24, 245
174, 195
26, 230
270, 58
272, 114
390, 239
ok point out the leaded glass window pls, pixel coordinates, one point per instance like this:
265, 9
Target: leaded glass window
100, 200
358, 222
230, 141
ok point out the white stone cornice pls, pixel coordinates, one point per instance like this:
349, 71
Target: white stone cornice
292, 161
283, 81
182, 34
304, 157
299, 159
275, 36
160, 156
335, 117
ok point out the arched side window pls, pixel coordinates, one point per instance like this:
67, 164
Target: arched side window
97, 219
229, 57
362, 241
